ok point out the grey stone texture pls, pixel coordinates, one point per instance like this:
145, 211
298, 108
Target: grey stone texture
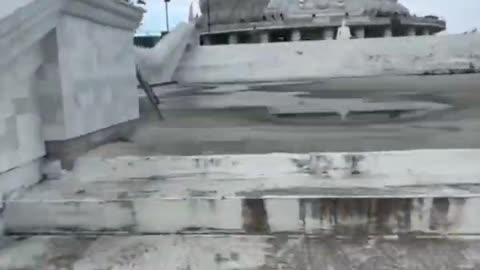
259, 252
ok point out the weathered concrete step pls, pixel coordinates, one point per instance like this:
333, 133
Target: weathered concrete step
365, 212
426, 192
237, 252
354, 168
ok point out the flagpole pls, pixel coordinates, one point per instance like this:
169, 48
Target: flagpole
166, 15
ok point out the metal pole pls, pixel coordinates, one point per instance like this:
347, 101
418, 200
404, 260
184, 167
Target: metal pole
166, 15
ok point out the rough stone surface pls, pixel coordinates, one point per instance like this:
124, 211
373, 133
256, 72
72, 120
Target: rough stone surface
240, 252
343, 114
314, 60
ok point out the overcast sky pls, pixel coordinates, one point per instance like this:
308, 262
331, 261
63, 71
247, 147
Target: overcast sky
461, 15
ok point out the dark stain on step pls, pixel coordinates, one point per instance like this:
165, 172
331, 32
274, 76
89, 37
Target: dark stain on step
255, 218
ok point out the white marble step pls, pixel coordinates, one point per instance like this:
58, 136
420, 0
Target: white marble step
426, 192
371, 169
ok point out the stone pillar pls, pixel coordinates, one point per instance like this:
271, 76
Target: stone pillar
411, 31
359, 32
264, 37
425, 32
296, 35
233, 39
387, 32
328, 33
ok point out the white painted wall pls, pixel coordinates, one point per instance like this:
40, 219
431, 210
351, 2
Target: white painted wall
323, 59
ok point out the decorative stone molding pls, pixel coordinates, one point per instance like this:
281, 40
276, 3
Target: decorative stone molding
31, 21
114, 13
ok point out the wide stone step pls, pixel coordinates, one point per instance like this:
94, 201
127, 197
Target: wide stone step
384, 193
365, 213
237, 252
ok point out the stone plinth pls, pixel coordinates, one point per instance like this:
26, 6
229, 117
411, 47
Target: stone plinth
67, 69
96, 75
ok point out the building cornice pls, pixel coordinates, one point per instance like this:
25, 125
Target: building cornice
320, 22
115, 13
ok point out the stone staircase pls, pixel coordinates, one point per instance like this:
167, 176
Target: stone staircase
404, 209
372, 210
342, 194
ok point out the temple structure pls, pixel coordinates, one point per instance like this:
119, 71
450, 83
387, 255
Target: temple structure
253, 21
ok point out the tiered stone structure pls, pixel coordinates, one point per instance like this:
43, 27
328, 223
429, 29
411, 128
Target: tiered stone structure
253, 21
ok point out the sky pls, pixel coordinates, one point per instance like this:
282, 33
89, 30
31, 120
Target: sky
461, 15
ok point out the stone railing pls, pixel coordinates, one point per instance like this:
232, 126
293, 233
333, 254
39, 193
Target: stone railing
67, 69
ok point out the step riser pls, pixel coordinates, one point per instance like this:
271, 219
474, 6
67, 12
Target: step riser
339, 216
385, 168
